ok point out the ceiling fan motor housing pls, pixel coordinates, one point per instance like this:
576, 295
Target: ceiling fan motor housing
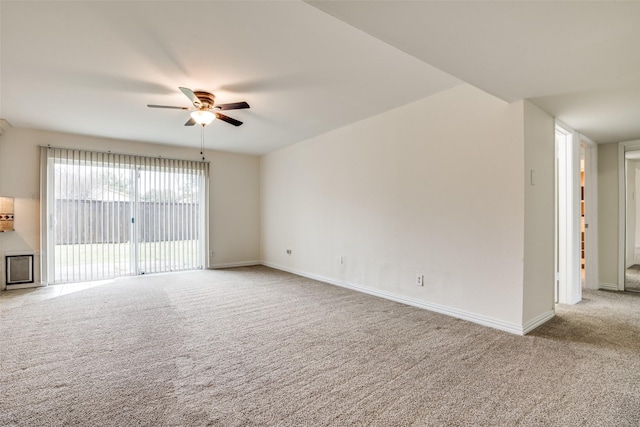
207, 99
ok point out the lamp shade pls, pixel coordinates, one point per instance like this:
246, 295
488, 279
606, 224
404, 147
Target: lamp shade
202, 117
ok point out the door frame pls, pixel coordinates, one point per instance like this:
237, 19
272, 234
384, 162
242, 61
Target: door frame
569, 283
623, 147
591, 212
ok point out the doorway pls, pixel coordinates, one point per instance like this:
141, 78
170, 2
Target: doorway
576, 215
632, 221
568, 261
589, 212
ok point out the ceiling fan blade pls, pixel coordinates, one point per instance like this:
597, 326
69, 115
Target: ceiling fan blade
228, 119
190, 122
233, 106
192, 96
166, 106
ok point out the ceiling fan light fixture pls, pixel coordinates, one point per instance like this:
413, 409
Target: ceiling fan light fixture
204, 110
202, 117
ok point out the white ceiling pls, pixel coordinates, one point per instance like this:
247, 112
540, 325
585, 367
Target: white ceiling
577, 60
91, 67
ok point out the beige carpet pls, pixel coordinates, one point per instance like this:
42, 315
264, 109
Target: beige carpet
254, 346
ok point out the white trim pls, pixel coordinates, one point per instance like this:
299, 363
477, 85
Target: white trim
608, 287
46, 204
591, 213
537, 321
622, 207
566, 129
235, 264
459, 314
622, 218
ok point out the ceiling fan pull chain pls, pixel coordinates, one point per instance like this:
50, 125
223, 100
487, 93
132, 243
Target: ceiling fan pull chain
202, 142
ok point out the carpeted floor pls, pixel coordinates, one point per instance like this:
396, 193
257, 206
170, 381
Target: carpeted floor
255, 346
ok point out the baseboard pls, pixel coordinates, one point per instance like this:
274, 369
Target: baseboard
235, 264
459, 314
608, 286
538, 321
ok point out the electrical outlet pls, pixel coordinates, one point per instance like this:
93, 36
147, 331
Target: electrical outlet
288, 251
420, 280
341, 259
212, 254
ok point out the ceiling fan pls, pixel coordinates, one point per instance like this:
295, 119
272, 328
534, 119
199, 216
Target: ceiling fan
204, 109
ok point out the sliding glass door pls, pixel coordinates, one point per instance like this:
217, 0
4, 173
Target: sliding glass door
110, 215
168, 217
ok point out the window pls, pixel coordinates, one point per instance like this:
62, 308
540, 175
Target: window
110, 215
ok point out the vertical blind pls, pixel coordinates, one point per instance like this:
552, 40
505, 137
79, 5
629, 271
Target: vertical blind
107, 215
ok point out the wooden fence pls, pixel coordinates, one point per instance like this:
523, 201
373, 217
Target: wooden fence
101, 221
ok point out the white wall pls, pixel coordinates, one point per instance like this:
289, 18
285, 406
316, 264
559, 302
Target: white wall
234, 224
608, 215
433, 188
234, 209
539, 265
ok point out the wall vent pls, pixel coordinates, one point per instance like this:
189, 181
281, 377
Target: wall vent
19, 269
